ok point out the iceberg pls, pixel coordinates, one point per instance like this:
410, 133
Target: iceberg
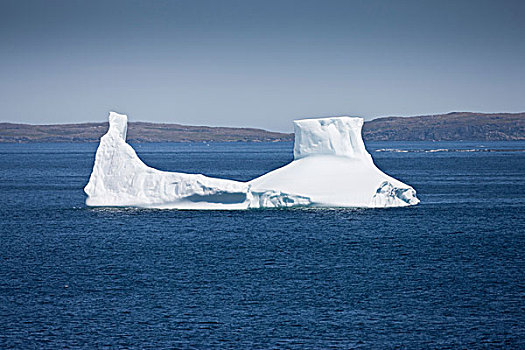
331, 168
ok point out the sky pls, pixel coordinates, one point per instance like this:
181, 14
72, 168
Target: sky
258, 63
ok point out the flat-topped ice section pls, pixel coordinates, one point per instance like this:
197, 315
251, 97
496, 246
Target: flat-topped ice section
331, 168
340, 136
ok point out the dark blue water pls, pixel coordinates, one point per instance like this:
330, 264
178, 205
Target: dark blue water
448, 273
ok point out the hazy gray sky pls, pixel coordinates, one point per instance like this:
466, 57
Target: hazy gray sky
258, 63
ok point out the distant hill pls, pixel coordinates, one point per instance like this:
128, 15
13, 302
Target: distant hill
445, 127
137, 132
448, 127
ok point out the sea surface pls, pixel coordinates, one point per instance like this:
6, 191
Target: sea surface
448, 273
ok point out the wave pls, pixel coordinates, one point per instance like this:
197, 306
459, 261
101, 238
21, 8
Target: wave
397, 150
392, 150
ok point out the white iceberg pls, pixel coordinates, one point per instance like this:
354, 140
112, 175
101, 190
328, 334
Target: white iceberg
331, 169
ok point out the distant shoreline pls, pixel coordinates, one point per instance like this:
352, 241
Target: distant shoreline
456, 126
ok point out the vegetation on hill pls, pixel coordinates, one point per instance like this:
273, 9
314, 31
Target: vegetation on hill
137, 132
446, 127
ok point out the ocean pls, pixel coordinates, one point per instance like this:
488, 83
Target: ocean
447, 273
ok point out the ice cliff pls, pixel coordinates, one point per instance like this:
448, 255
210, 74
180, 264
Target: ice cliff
331, 168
